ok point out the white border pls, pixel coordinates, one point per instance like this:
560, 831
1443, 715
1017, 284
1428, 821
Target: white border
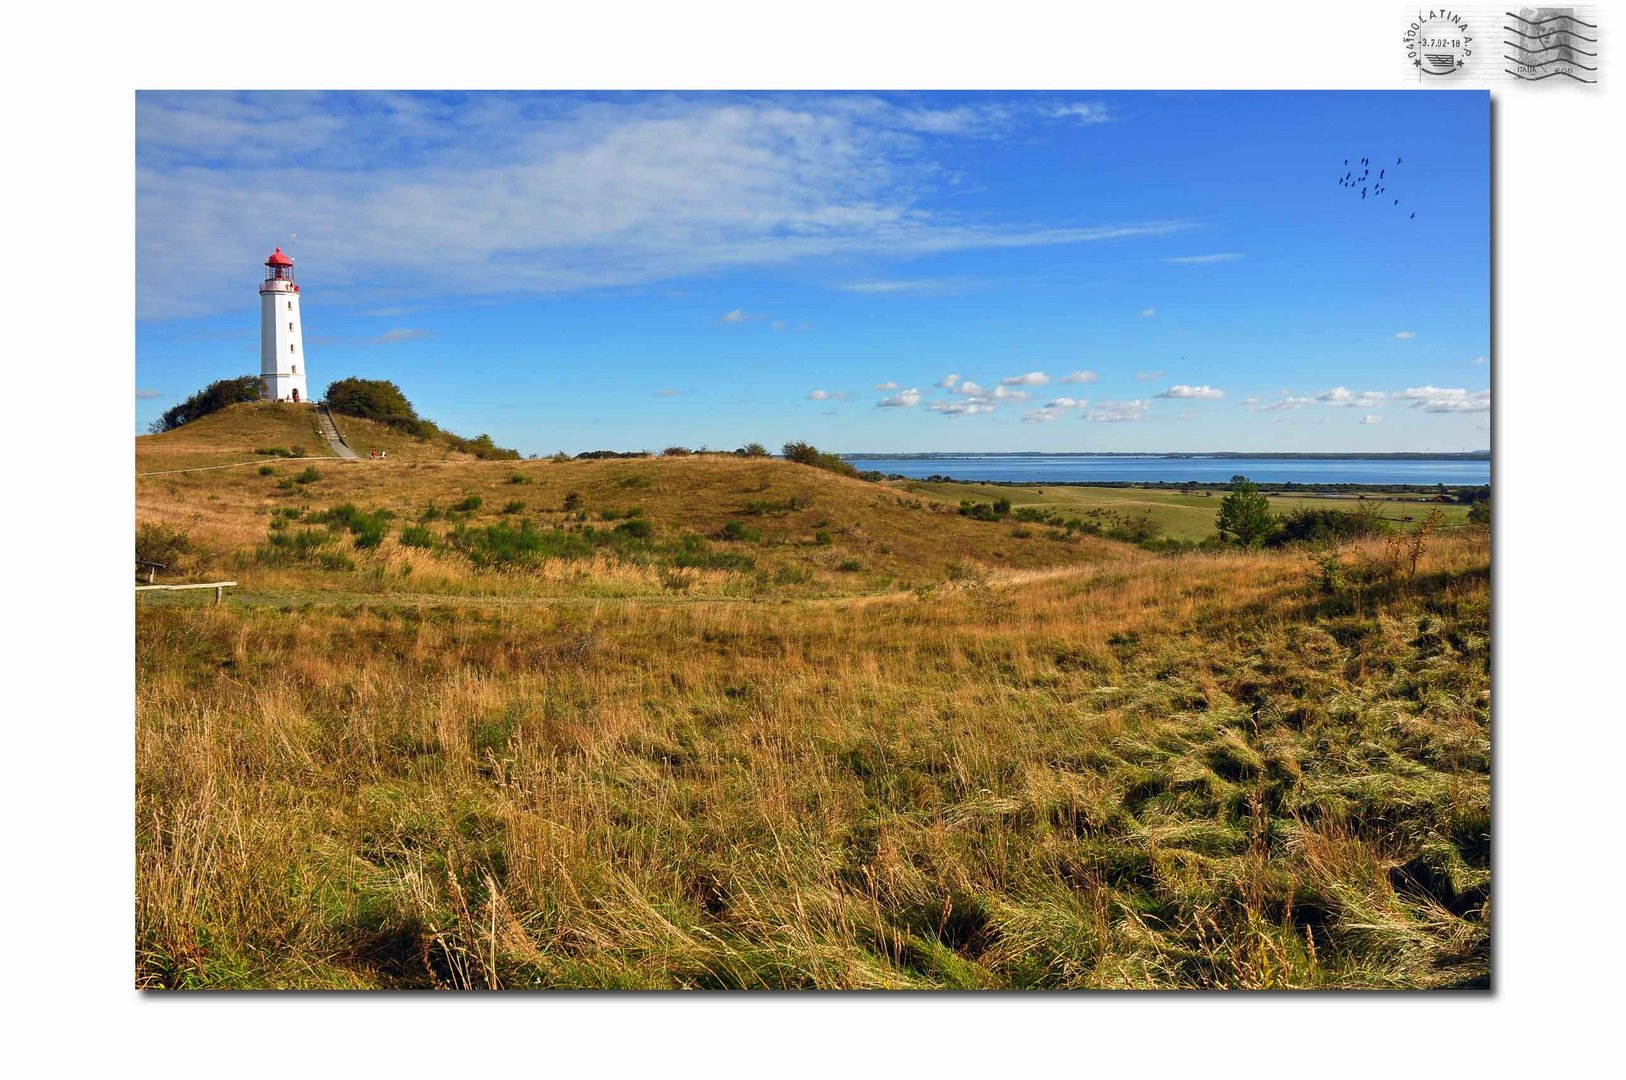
69, 247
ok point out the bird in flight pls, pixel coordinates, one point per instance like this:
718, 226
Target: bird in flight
1413, 214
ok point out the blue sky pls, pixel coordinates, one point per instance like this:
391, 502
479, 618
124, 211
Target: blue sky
866, 271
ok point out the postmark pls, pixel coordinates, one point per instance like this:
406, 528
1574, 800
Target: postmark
1439, 42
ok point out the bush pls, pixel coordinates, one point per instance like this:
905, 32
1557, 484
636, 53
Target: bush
417, 536
513, 506
636, 527
374, 399
737, 530
676, 451
275, 451
807, 454
266, 470
754, 449
369, 528
1321, 526
573, 501
159, 543
309, 476
212, 398
518, 478
469, 505
821, 538
1480, 512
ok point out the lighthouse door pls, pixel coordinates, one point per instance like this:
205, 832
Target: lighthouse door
296, 393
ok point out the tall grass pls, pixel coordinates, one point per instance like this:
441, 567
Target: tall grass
1197, 771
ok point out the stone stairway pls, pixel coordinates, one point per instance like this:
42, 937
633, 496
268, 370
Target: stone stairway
330, 432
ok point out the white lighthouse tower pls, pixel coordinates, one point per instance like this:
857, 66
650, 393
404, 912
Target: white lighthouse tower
282, 346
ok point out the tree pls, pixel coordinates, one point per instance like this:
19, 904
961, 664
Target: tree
1244, 514
212, 398
373, 399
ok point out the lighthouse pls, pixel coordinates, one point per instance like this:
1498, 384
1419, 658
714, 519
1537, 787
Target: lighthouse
282, 346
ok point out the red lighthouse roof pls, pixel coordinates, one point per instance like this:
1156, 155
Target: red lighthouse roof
279, 259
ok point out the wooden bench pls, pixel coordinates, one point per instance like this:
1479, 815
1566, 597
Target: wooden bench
219, 587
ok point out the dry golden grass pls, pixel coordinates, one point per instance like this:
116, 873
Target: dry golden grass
978, 761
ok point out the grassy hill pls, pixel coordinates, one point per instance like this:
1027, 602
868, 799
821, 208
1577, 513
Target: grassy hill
471, 724
235, 433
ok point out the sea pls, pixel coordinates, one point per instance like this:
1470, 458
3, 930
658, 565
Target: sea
1115, 468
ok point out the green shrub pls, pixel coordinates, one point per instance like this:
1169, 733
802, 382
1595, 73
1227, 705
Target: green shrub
266, 470
513, 506
1244, 515
274, 451
637, 527
821, 538
737, 530
212, 398
754, 449
807, 454
1480, 512
518, 478
573, 501
309, 476
469, 505
1321, 525
417, 536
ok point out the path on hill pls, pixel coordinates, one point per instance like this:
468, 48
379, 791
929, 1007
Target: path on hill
330, 432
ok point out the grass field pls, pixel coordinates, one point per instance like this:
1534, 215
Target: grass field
1182, 516
852, 739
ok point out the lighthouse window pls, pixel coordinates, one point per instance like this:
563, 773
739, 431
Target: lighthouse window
290, 305
290, 346
290, 326
293, 369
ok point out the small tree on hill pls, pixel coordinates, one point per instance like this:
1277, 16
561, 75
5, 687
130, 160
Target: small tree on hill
1244, 514
372, 399
212, 398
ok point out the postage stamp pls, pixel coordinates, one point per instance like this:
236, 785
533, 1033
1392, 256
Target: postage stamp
1455, 46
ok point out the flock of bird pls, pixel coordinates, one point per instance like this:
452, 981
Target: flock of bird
1367, 184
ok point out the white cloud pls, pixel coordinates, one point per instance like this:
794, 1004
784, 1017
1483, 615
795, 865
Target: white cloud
666, 392
517, 193
1199, 260
400, 334
1117, 412
1181, 390
908, 399
1286, 401
1446, 400
1083, 111
1406, 335
144, 394
1149, 312
1371, 418
1344, 396
735, 316
1080, 377
959, 408
1032, 378
828, 395
1054, 409
947, 382
778, 324
1481, 360
906, 287
888, 385
1148, 376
